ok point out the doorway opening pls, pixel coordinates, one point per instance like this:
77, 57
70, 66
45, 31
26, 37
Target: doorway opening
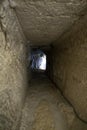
38, 60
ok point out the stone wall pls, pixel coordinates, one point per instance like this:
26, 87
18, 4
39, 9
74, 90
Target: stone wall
13, 81
70, 66
43, 21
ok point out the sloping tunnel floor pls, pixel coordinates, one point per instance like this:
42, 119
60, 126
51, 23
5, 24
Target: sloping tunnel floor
46, 109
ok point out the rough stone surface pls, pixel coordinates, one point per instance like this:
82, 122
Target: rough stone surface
12, 68
46, 109
70, 66
43, 21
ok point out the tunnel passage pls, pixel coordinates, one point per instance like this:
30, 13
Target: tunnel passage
61, 28
38, 58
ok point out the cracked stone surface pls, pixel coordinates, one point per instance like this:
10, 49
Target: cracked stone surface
43, 21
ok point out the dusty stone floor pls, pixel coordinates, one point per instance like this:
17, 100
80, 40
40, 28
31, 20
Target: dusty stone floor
45, 109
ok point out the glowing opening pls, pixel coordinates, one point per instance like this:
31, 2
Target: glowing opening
42, 62
38, 60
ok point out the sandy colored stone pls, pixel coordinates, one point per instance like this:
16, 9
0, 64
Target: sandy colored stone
43, 117
48, 109
43, 21
12, 68
70, 66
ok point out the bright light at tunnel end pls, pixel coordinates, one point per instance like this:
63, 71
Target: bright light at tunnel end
43, 63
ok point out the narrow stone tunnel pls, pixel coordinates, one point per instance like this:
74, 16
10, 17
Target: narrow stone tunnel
54, 98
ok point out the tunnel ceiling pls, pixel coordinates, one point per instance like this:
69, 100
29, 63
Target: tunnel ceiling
43, 21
